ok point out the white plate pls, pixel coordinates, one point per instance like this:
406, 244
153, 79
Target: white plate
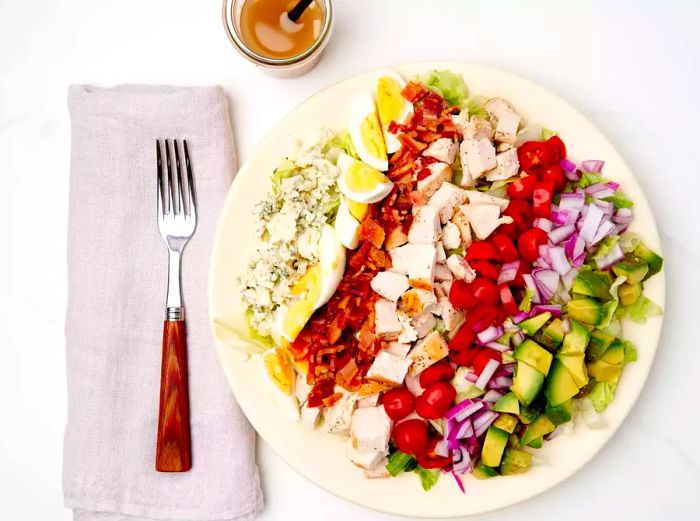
321, 457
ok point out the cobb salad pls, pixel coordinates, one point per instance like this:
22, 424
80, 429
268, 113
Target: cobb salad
441, 285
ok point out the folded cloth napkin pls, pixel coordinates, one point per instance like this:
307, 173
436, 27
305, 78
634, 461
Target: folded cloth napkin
117, 278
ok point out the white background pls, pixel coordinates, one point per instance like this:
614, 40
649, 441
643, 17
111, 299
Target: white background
630, 66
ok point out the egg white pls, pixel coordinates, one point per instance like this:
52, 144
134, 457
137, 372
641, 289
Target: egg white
360, 108
346, 226
378, 193
332, 262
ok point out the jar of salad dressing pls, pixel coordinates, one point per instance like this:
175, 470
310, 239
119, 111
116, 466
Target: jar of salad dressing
263, 33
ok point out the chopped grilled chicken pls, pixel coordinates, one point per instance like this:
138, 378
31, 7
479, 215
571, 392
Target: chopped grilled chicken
388, 368
386, 320
337, 418
443, 149
396, 348
427, 351
417, 261
460, 268
507, 166
396, 238
425, 228
446, 199
389, 284
480, 156
416, 301
475, 197
439, 173
484, 219
424, 323
442, 273
451, 237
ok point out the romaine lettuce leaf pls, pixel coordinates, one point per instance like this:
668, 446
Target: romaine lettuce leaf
601, 395
448, 84
629, 241
399, 462
640, 310
428, 478
547, 133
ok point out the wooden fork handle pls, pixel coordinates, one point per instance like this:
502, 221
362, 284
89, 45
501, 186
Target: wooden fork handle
173, 452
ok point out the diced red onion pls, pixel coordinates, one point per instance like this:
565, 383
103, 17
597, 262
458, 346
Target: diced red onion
560, 218
461, 461
623, 216
568, 165
471, 377
461, 406
591, 223
482, 422
600, 191
547, 280
543, 224
554, 309
441, 448
518, 338
509, 271
607, 206
564, 296
464, 430
459, 481
492, 396
532, 286
579, 261
490, 334
497, 346
413, 385
593, 165
559, 261
606, 228
621, 228
613, 185
505, 370
500, 382
487, 373
558, 235
519, 317
615, 255
568, 278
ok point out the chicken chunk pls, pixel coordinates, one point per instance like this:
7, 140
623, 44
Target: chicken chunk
497, 107
308, 416
478, 128
440, 255
425, 228
451, 237
460, 220
409, 334
467, 180
443, 149
507, 166
480, 156
388, 368
370, 429
424, 323
368, 401
301, 388
429, 350
337, 418
484, 219
507, 127
451, 316
379, 471
416, 301
446, 199
386, 319
439, 173
396, 238
442, 273
417, 261
365, 460
389, 284
475, 197
396, 348
460, 268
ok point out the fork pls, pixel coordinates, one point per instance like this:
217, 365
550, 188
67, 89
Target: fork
177, 220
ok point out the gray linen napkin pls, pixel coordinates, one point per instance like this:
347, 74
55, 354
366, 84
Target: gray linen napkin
116, 295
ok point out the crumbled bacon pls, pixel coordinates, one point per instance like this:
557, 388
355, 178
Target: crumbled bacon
372, 232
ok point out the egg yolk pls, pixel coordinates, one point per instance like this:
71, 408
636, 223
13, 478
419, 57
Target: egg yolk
363, 178
357, 210
390, 103
279, 368
308, 287
372, 137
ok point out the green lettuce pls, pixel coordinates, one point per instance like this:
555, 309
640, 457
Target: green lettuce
475, 107
448, 84
606, 246
629, 241
630, 352
619, 200
242, 337
399, 462
428, 478
640, 310
285, 170
340, 142
547, 133
601, 395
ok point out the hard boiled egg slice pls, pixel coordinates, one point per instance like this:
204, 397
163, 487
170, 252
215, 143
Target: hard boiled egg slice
346, 226
316, 286
366, 133
391, 106
361, 183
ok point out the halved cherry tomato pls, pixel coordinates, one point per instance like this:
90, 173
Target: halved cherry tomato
484, 316
507, 300
555, 150
436, 400
530, 242
482, 250
485, 290
462, 348
521, 212
482, 358
429, 459
410, 436
486, 269
522, 187
506, 249
399, 403
461, 295
532, 156
542, 199
439, 372
555, 175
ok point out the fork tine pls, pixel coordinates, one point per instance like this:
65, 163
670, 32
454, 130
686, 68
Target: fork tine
170, 188
159, 163
180, 186
192, 207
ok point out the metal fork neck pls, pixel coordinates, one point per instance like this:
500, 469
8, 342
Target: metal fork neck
173, 302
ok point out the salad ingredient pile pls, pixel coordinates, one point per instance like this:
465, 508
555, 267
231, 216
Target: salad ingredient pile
441, 289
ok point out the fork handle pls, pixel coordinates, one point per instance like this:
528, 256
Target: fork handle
173, 452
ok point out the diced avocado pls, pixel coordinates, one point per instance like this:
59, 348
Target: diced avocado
629, 293
576, 340
593, 284
635, 270
654, 261
615, 354
529, 413
515, 461
513, 441
599, 343
576, 365
507, 403
534, 355
538, 428
494, 445
537, 443
506, 422
532, 325
604, 371
553, 334
561, 413
527, 382
482, 471
586, 310
560, 386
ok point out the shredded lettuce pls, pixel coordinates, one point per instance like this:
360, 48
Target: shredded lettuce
475, 107
629, 241
340, 142
606, 246
640, 310
399, 462
547, 133
285, 170
601, 395
526, 302
428, 478
630, 352
590, 178
456, 251
448, 84
242, 337
619, 200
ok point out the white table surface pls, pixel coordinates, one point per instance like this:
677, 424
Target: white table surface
631, 67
